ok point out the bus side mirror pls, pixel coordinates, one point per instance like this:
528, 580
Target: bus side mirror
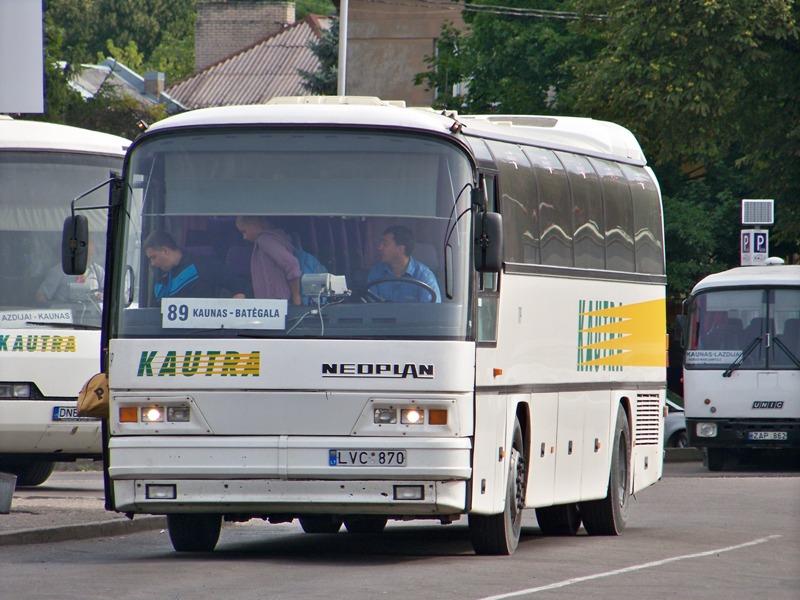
679, 330
488, 243
75, 245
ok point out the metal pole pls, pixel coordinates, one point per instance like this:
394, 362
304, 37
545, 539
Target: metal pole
342, 69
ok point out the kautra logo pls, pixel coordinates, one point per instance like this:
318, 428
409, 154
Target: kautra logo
612, 336
199, 362
38, 343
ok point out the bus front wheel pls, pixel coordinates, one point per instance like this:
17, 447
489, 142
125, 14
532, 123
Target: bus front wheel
30, 472
715, 458
499, 534
194, 532
609, 515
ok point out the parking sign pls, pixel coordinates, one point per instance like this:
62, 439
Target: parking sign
755, 247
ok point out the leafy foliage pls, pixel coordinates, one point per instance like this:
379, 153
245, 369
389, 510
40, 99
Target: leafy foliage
323, 82
709, 87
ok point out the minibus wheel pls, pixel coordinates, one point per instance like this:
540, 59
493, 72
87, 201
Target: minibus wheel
194, 532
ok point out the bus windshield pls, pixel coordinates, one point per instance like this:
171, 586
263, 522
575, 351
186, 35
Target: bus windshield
34, 199
295, 233
745, 328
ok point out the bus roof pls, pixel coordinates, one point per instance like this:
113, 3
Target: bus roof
770, 275
583, 135
51, 137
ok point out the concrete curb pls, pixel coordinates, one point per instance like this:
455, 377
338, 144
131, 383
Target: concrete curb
84, 531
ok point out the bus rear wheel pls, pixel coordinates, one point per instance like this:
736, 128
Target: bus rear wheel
320, 524
365, 524
194, 532
609, 515
563, 519
499, 534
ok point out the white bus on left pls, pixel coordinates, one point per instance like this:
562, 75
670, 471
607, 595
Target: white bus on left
49, 322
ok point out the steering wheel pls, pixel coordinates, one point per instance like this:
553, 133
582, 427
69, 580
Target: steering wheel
374, 297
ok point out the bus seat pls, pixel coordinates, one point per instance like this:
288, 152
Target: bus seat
427, 255
237, 260
203, 251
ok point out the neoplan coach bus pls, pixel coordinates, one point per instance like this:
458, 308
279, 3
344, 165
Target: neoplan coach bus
534, 378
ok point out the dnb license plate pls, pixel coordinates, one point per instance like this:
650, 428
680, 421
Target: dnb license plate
367, 458
767, 435
68, 413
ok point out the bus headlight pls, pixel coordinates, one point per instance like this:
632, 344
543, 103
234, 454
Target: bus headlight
15, 390
152, 414
706, 430
412, 416
385, 416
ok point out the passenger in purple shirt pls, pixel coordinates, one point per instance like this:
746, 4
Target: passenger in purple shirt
273, 266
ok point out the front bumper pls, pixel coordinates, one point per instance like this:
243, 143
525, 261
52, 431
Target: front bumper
738, 433
263, 475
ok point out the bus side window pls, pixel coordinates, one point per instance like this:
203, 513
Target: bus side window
488, 283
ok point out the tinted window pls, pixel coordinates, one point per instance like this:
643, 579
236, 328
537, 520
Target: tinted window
587, 212
517, 189
618, 216
648, 237
554, 207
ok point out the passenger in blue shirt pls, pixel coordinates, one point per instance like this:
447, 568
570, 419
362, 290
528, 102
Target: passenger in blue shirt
396, 263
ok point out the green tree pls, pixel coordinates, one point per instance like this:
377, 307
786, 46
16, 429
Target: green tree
513, 55
161, 30
323, 81
712, 87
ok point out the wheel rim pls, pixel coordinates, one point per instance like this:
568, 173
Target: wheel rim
518, 466
622, 462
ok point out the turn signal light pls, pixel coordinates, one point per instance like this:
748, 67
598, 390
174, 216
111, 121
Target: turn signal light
128, 414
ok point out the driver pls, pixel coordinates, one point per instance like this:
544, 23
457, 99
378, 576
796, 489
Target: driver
396, 264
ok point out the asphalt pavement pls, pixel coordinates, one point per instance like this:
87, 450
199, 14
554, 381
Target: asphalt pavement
71, 506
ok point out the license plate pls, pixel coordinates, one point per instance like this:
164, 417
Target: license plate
767, 435
367, 458
68, 413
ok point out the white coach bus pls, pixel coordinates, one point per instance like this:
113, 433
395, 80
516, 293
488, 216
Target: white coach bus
741, 373
49, 322
533, 377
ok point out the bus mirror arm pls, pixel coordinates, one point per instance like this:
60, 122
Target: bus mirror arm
75, 236
478, 197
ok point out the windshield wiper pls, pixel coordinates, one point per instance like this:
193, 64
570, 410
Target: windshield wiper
742, 357
63, 325
788, 352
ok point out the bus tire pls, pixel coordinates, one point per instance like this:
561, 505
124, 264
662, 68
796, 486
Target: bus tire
562, 519
320, 524
715, 458
194, 532
609, 515
499, 534
365, 524
29, 472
